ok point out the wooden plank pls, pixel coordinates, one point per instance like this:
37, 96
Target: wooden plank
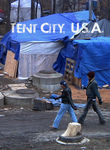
11, 65
17, 86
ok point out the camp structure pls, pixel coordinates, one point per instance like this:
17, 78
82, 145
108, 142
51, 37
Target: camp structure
24, 12
90, 49
35, 44
93, 53
95, 29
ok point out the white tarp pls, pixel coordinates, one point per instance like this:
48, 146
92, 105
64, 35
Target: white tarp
25, 10
36, 56
23, 3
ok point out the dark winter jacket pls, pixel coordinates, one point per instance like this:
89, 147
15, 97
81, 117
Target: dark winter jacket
92, 90
67, 97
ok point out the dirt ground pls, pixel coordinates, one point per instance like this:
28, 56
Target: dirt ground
25, 129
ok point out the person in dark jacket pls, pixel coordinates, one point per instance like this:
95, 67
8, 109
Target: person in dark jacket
66, 105
92, 92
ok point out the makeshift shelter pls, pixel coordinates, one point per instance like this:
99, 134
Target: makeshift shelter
95, 29
24, 10
93, 55
36, 43
91, 51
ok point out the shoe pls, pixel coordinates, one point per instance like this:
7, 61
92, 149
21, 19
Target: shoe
80, 122
53, 128
102, 122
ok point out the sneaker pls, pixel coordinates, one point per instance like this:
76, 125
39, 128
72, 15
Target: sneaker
53, 128
102, 122
82, 123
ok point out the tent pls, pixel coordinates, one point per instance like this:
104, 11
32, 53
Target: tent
93, 55
91, 51
25, 10
95, 29
37, 43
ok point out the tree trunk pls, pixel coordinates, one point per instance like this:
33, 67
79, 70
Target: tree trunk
105, 9
18, 10
59, 6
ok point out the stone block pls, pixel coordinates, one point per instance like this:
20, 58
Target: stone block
1, 99
72, 130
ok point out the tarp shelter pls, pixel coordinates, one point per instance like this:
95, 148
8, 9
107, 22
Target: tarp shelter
69, 51
94, 52
38, 50
24, 11
91, 51
93, 55
95, 29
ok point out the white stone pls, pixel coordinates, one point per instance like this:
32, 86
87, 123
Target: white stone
72, 130
1, 99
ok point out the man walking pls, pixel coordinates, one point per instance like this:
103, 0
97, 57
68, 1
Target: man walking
92, 92
66, 105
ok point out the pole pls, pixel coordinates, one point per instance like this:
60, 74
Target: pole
8, 6
32, 9
90, 10
54, 6
18, 11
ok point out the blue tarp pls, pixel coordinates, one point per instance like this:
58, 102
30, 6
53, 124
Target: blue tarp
66, 18
57, 103
93, 55
21, 34
67, 52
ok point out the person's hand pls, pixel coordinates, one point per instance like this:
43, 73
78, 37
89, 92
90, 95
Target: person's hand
100, 102
74, 107
55, 98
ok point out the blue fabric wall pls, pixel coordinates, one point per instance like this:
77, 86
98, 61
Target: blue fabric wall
93, 55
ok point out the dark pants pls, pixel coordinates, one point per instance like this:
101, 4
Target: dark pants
92, 103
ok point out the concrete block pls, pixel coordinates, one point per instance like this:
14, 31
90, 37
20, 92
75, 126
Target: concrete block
1, 99
72, 130
23, 100
47, 82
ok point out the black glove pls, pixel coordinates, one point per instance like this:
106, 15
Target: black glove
56, 98
74, 107
100, 102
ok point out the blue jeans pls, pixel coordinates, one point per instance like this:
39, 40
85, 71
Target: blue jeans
62, 111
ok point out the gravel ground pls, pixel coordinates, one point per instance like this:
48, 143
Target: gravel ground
24, 129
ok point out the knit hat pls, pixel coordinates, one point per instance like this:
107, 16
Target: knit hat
63, 83
91, 74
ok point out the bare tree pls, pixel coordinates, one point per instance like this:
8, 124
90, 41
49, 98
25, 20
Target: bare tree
18, 11
8, 14
104, 9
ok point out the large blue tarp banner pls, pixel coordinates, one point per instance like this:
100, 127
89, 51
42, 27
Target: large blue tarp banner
45, 29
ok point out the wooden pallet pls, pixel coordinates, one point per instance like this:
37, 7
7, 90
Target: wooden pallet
69, 69
69, 73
